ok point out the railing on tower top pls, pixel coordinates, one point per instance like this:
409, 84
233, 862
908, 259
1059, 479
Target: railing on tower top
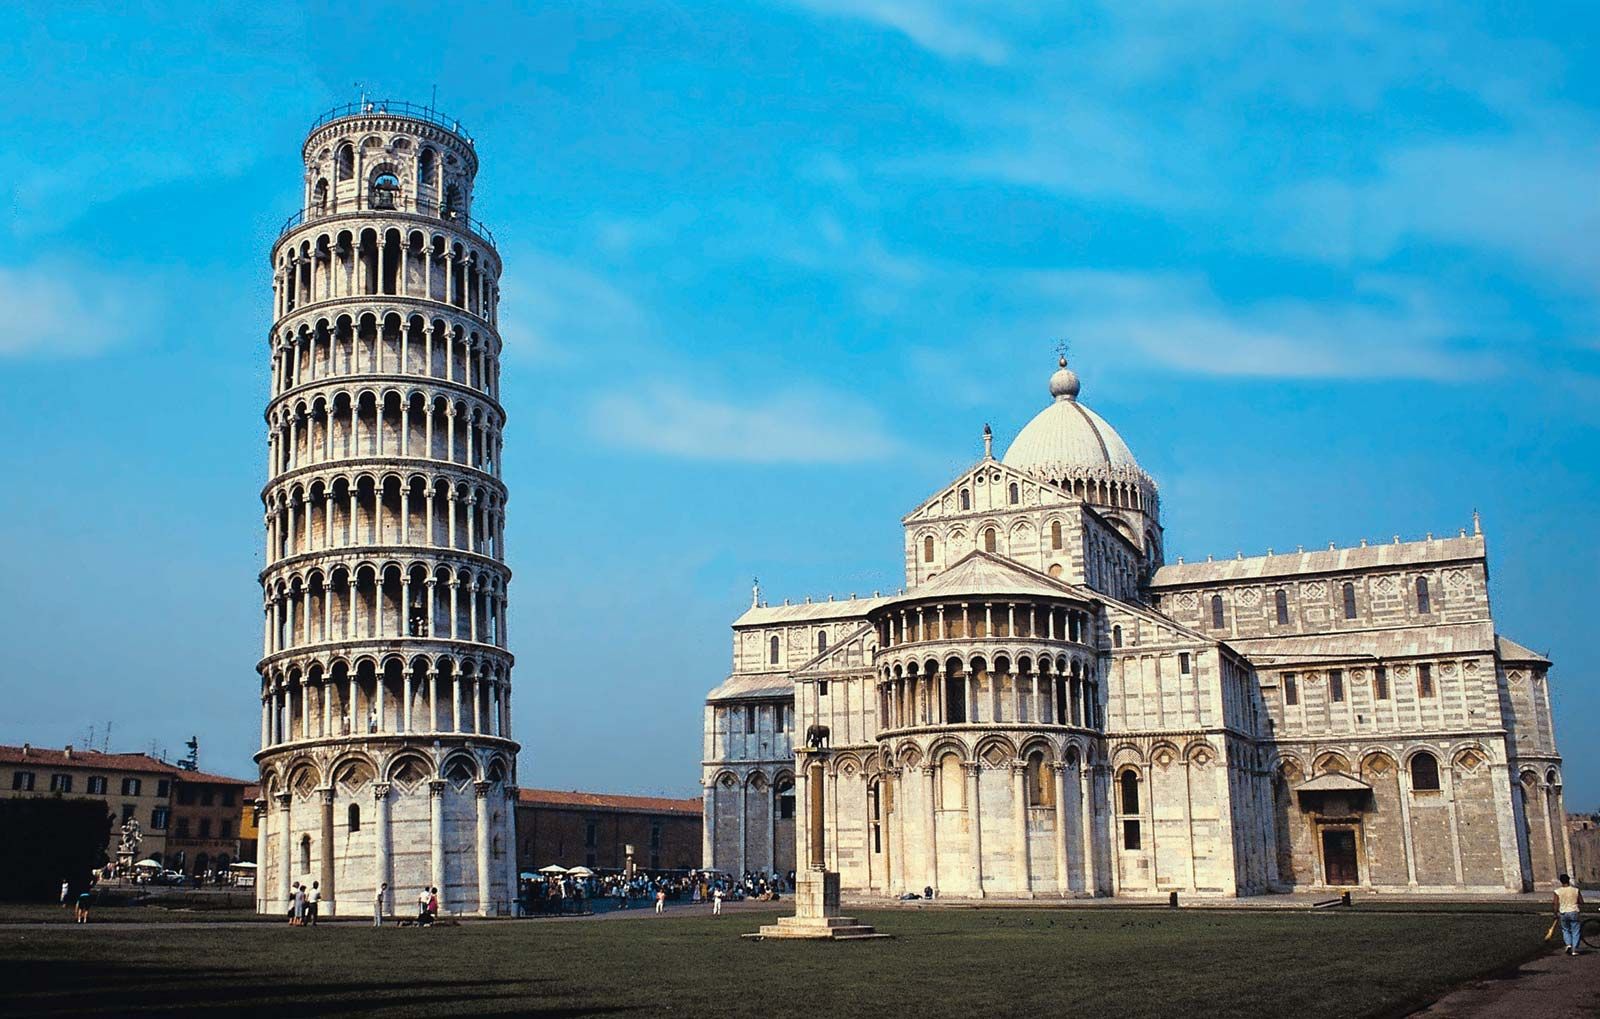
310, 215
394, 107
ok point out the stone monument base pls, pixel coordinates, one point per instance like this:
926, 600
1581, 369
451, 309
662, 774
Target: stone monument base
816, 916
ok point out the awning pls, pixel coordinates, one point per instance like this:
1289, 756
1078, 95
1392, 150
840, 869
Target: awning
1333, 782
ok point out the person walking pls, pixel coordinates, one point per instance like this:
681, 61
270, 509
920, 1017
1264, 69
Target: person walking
1568, 901
422, 906
300, 905
661, 900
433, 904
294, 904
377, 905
313, 901
66, 893
716, 902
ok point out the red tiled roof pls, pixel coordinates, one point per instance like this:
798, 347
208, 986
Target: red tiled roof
201, 776
47, 757
607, 801
252, 791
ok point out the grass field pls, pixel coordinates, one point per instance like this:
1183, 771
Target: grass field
994, 963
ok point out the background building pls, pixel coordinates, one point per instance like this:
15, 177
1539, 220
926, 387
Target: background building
134, 787
595, 829
386, 751
1049, 708
206, 812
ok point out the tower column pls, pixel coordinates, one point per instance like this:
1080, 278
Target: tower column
481, 789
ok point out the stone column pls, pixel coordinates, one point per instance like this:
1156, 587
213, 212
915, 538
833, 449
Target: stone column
708, 826
325, 853
974, 829
511, 848
1086, 820
1058, 774
744, 834
285, 848
380, 836
1019, 790
436, 838
930, 775
481, 789
1405, 826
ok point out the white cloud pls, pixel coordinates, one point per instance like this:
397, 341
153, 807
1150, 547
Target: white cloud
924, 23
792, 426
556, 309
1388, 328
55, 310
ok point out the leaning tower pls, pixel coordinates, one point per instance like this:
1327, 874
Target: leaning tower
386, 749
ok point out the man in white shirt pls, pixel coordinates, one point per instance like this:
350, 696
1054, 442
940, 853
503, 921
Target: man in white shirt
422, 906
377, 905
312, 899
1569, 912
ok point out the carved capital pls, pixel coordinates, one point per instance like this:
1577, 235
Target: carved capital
436, 788
327, 795
481, 789
380, 790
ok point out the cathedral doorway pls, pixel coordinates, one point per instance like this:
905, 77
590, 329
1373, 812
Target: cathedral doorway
1339, 857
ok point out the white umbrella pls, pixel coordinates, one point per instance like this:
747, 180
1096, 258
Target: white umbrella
554, 868
242, 866
149, 863
581, 872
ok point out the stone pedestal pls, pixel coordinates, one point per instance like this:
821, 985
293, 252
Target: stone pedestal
817, 913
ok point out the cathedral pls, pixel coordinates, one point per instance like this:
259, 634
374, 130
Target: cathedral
1050, 709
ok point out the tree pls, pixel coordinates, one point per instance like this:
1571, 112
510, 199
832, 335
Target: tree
48, 839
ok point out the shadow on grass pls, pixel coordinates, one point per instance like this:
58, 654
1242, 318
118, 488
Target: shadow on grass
83, 988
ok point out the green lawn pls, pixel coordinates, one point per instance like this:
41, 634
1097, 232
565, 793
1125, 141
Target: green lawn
989, 963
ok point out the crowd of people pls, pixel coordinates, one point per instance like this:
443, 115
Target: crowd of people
567, 893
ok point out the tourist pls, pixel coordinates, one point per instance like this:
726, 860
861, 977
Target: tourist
422, 906
377, 905
661, 900
716, 902
312, 902
81, 914
1569, 906
294, 904
66, 890
433, 905
299, 904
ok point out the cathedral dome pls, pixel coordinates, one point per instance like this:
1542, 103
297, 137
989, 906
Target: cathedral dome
1067, 435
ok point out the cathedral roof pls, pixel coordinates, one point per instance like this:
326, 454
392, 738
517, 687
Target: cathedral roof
1510, 651
807, 612
982, 574
1067, 435
1400, 642
1332, 560
750, 685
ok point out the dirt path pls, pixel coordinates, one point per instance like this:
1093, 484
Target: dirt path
1553, 986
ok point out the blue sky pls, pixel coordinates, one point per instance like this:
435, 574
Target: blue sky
769, 269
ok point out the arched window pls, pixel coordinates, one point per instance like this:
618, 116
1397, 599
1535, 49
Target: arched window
1424, 772
353, 817
1349, 601
1282, 598
1055, 534
450, 206
927, 549
822, 641
1041, 791
346, 161
952, 788
1116, 636
1424, 603
966, 499
425, 167
1129, 801
989, 539
1291, 689
1015, 494
385, 192
305, 853
772, 651
1217, 620
319, 196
